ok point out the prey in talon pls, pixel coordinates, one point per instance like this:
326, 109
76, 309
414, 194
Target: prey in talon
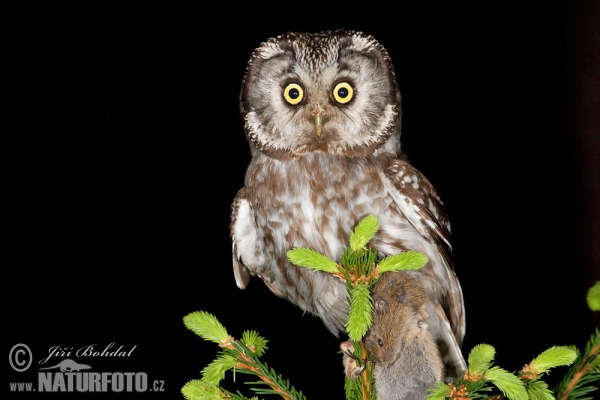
353, 366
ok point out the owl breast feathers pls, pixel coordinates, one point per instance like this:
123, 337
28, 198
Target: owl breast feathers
322, 116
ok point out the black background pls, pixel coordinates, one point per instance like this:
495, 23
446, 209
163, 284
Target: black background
125, 149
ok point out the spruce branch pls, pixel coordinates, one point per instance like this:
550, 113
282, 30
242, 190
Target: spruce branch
407, 261
256, 343
463, 390
361, 388
531, 373
480, 374
214, 372
359, 267
553, 357
360, 315
441, 391
250, 364
200, 389
593, 297
578, 380
538, 390
206, 326
480, 371
309, 258
480, 359
508, 383
363, 232
239, 355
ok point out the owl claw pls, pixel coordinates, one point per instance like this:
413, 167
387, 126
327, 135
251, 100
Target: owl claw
353, 369
360, 369
346, 352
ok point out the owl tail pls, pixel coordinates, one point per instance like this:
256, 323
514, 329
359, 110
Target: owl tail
452, 357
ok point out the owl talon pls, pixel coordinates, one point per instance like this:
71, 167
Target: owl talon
360, 369
353, 365
347, 351
350, 355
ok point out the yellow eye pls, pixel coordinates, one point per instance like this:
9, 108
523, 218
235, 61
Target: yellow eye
343, 92
293, 93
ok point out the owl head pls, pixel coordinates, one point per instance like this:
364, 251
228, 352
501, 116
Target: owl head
331, 91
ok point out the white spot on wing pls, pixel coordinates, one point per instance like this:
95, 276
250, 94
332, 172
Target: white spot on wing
245, 236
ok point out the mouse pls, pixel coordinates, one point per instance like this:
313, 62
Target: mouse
407, 360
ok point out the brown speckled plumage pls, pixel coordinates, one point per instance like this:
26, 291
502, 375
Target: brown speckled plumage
309, 185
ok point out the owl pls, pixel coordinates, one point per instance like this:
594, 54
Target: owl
322, 117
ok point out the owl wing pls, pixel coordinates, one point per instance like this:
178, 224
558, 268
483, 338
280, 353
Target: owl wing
246, 246
421, 205
241, 227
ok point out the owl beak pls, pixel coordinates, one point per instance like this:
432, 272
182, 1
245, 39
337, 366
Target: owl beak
318, 114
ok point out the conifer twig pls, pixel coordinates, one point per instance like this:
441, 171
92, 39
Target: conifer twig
241, 355
585, 370
359, 268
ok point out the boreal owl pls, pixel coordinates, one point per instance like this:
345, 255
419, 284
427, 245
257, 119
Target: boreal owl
322, 116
